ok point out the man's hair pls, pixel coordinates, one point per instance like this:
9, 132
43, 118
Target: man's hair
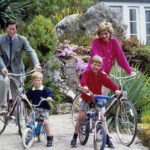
11, 22
96, 59
104, 26
37, 75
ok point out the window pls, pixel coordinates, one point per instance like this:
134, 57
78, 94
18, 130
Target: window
118, 10
147, 19
133, 22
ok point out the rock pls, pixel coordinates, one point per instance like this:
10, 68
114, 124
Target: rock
68, 24
86, 24
64, 108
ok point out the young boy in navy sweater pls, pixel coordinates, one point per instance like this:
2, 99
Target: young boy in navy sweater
93, 80
42, 112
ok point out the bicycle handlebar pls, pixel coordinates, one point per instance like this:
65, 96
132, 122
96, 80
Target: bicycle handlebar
19, 75
32, 105
122, 78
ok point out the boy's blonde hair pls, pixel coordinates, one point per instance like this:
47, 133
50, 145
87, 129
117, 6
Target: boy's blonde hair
96, 59
104, 26
37, 75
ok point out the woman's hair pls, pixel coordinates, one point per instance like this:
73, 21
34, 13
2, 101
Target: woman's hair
104, 26
37, 75
96, 59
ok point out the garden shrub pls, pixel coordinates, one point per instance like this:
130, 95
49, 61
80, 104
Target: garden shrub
42, 37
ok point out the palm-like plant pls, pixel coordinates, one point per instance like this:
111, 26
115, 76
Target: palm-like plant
12, 9
137, 89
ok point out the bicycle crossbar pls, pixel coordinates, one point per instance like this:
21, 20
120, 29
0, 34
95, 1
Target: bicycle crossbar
101, 97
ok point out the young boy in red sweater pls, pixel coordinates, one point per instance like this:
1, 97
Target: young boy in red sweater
93, 80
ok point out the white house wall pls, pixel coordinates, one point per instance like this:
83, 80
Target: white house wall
141, 7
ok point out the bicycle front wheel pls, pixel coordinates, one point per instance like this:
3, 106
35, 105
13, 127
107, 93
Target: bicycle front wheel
27, 138
3, 124
126, 122
76, 108
22, 115
99, 137
84, 134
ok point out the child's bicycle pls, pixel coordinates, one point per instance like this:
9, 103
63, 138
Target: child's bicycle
33, 130
125, 122
18, 104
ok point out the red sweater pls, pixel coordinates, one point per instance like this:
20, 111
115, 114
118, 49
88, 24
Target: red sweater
94, 82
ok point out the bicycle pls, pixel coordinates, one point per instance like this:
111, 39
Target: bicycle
18, 104
32, 130
125, 122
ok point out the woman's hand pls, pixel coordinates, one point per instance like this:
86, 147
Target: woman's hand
49, 99
118, 92
133, 74
85, 89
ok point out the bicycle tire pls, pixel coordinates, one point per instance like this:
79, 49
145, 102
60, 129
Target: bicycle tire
27, 138
126, 122
100, 137
76, 108
84, 134
3, 123
22, 115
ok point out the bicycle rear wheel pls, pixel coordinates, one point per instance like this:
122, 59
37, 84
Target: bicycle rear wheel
84, 134
126, 122
22, 115
3, 123
27, 138
76, 108
99, 137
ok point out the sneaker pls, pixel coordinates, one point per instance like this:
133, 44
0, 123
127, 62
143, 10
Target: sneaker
109, 143
49, 142
73, 142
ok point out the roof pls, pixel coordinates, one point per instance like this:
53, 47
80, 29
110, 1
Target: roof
132, 1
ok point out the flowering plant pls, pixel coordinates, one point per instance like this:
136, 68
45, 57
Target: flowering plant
80, 66
65, 49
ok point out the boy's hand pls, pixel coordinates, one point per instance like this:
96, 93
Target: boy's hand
85, 89
24, 96
133, 74
118, 92
49, 99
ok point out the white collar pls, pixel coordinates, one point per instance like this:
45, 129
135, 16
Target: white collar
40, 88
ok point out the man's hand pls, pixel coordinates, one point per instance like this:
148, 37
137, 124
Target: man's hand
4, 72
38, 68
118, 92
49, 99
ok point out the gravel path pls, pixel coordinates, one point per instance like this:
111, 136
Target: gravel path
62, 130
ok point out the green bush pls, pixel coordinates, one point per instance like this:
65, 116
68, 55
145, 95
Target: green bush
42, 37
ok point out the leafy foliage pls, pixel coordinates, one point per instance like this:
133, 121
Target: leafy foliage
12, 9
42, 36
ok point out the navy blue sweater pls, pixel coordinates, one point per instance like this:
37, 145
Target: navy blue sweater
35, 95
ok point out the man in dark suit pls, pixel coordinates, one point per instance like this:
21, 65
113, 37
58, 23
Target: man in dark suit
12, 46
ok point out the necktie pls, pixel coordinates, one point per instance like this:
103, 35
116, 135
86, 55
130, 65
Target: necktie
10, 45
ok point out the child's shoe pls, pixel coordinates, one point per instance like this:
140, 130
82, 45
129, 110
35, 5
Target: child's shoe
109, 143
73, 142
49, 141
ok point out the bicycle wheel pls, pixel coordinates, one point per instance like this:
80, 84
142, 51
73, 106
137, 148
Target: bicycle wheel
22, 115
27, 138
126, 122
76, 108
99, 137
84, 134
42, 135
3, 124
